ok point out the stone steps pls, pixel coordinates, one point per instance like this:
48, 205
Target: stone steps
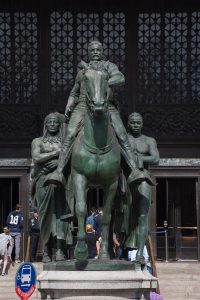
179, 280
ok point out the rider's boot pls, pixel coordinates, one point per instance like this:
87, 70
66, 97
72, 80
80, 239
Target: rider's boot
136, 175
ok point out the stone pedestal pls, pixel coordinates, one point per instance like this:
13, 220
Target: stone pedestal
105, 283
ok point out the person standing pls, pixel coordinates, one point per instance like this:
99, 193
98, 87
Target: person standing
5, 241
34, 232
15, 224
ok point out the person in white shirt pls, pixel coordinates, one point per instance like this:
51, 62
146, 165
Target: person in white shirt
5, 241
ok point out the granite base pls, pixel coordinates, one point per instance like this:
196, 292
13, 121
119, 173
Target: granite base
116, 282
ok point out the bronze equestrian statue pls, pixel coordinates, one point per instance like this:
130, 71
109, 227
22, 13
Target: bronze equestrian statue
76, 110
95, 159
95, 138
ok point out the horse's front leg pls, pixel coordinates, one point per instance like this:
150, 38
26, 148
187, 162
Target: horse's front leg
109, 195
80, 192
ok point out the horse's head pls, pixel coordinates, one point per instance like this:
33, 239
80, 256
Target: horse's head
96, 85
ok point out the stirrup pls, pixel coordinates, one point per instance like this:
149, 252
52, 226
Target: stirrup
138, 176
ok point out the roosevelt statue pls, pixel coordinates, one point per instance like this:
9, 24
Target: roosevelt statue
76, 110
95, 138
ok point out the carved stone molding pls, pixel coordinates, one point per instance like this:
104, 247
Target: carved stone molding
179, 162
23, 162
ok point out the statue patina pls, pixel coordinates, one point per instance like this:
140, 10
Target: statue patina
146, 154
94, 124
76, 109
95, 159
54, 211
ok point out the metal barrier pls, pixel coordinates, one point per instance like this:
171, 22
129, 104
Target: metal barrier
165, 231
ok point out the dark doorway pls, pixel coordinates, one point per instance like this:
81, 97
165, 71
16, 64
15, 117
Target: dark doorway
176, 204
94, 198
9, 194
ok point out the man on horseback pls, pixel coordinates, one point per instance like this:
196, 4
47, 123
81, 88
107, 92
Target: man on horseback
76, 109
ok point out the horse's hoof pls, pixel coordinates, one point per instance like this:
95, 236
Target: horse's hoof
81, 250
140, 259
55, 178
104, 256
60, 255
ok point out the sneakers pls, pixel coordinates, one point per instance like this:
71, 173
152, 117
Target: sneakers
3, 274
18, 261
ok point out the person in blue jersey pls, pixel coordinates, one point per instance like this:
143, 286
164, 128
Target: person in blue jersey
15, 224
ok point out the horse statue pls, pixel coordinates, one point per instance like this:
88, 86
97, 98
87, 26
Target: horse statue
95, 159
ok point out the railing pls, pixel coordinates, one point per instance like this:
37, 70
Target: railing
165, 229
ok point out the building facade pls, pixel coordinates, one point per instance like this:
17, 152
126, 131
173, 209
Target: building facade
156, 44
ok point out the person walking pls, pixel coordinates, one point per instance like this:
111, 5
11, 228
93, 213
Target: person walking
15, 224
34, 232
5, 241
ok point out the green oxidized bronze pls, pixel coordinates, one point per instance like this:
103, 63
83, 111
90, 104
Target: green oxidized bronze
51, 201
95, 139
139, 196
76, 110
95, 159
